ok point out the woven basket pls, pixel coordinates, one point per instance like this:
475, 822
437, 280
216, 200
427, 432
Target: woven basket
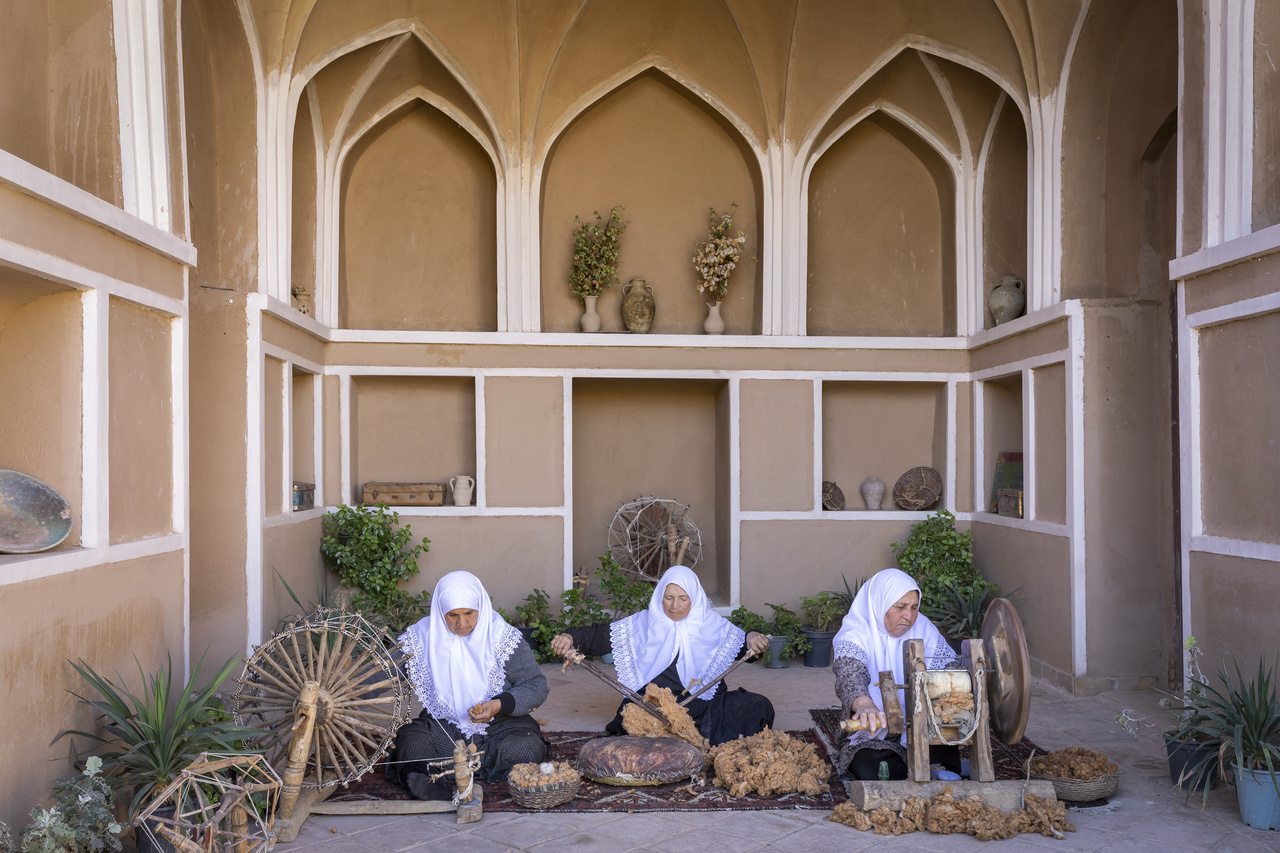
544, 796
1082, 790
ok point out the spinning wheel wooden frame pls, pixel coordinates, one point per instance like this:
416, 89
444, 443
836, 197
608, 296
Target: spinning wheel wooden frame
649, 535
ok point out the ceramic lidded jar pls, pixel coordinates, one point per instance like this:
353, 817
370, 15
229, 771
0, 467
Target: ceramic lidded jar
638, 306
1008, 300
872, 490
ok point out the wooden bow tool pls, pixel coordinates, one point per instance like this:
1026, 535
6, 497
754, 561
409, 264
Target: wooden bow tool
577, 657
713, 682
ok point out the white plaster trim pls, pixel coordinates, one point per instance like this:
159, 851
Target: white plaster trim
735, 490
1247, 548
255, 473
1075, 526
1057, 103
818, 460
49, 188
833, 515
1020, 366
952, 452
1256, 306
1030, 525
481, 442
1180, 216
317, 437
1241, 249
73, 275
144, 144
286, 438
180, 393
1188, 449
345, 474
21, 568
979, 443
94, 397
481, 512
567, 408
1031, 320
290, 359
776, 223
1228, 123
622, 340
1029, 443
288, 518
673, 373
977, 317
288, 314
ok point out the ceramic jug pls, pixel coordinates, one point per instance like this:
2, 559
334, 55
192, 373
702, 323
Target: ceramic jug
1008, 300
461, 486
638, 306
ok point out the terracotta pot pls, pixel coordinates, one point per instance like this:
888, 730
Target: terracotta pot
638, 306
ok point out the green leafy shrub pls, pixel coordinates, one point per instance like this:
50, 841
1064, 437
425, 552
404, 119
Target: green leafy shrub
823, 611
626, 596
749, 620
595, 253
363, 546
786, 623
940, 559
82, 820
151, 737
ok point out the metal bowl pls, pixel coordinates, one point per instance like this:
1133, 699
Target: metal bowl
33, 515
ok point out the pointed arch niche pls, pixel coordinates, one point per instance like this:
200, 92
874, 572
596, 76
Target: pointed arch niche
881, 235
666, 156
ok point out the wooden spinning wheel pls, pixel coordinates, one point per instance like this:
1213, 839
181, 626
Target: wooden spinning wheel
360, 698
649, 535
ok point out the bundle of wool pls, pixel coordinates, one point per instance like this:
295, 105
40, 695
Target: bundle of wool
679, 724
943, 814
769, 763
1074, 762
546, 773
952, 705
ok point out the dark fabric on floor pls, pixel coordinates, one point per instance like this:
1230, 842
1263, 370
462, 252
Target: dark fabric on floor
509, 741
594, 797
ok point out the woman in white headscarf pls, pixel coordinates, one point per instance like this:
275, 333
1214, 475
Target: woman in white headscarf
477, 681
680, 643
884, 615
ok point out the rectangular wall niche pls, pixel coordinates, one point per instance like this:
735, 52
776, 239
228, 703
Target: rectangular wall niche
1002, 427
303, 427
412, 429
881, 429
668, 438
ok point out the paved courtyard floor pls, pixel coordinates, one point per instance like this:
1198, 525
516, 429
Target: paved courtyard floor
1146, 815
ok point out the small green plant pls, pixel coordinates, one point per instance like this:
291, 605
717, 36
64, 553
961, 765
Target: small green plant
786, 623
535, 613
578, 608
749, 620
940, 559
151, 737
595, 253
823, 611
959, 610
626, 596
363, 546
81, 821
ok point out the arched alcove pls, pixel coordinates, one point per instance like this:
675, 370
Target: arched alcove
666, 157
418, 233
881, 228
1004, 205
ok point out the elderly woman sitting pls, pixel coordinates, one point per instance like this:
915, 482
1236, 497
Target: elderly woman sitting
885, 614
477, 680
679, 642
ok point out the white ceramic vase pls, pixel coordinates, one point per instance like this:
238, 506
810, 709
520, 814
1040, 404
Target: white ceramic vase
590, 321
462, 487
714, 324
872, 490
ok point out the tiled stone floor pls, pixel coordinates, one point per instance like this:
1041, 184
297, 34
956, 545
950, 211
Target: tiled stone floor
1146, 815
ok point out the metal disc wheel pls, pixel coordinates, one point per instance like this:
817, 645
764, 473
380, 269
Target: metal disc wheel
363, 699
649, 535
1008, 670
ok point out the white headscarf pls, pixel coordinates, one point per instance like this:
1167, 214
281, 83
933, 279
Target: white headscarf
449, 673
704, 643
862, 634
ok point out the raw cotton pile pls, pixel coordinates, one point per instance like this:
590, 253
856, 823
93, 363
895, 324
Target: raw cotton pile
950, 707
943, 814
1074, 762
679, 723
770, 763
546, 773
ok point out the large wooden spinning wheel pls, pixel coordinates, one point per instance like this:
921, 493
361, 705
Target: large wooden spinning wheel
337, 661
649, 535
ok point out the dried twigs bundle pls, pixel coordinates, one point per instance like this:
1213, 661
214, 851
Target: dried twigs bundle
769, 763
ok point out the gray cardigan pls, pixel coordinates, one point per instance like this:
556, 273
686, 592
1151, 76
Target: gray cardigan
525, 687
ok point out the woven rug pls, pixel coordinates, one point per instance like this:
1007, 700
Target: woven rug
594, 797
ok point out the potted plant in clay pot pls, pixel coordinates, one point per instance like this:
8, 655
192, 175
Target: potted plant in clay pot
822, 613
595, 262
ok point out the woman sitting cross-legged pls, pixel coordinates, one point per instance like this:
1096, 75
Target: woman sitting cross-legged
679, 642
477, 681
885, 614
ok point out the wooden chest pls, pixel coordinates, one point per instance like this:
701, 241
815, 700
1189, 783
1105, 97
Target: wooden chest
404, 494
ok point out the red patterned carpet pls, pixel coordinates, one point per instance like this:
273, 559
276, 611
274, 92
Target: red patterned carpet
594, 797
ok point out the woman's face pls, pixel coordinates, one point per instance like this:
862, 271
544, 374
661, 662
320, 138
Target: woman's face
675, 602
899, 618
461, 621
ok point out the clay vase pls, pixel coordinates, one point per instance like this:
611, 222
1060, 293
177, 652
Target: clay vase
1008, 300
872, 490
714, 324
590, 321
638, 306
462, 486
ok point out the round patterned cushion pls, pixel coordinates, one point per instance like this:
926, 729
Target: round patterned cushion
638, 760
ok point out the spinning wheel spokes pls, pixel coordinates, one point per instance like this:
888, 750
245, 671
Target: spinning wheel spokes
649, 535
361, 698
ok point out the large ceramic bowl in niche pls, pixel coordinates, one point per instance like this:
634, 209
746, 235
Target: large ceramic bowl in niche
33, 515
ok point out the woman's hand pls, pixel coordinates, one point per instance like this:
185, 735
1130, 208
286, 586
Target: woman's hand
562, 644
871, 717
757, 643
484, 711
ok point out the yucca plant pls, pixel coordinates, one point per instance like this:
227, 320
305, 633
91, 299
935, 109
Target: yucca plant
1243, 718
149, 738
